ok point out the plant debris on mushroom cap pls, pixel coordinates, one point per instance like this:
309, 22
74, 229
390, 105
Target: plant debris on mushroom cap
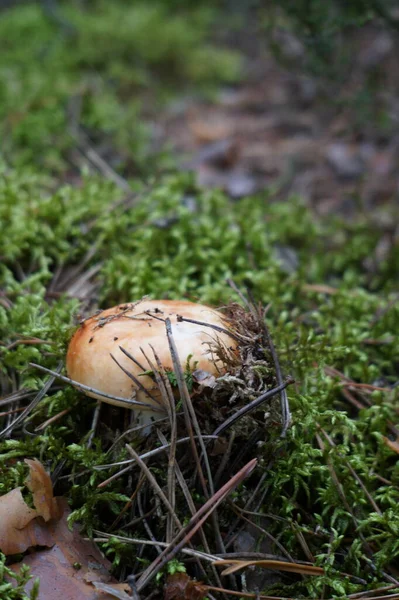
141, 325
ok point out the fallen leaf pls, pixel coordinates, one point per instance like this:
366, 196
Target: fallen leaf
22, 527
71, 568
19, 526
115, 590
392, 444
39, 483
181, 587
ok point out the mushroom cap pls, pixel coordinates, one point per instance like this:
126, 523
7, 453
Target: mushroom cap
141, 325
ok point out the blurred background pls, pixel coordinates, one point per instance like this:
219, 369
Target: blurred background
301, 97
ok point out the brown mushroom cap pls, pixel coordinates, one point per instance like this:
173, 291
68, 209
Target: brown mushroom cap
141, 325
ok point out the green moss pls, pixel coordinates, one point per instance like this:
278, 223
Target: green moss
159, 245
94, 72
16, 589
65, 249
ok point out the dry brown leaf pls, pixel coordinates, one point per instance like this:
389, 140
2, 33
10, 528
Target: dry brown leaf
19, 526
279, 565
22, 527
67, 569
39, 483
392, 444
181, 587
115, 590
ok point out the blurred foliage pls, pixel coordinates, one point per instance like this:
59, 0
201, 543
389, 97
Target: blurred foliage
322, 26
91, 67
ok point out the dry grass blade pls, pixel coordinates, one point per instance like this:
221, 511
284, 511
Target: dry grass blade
86, 388
52, 420
189, 413
169, 401
280, 565
154, 484
194, 525
191, 506
234, 336
143, 456
34, 403
285, 408
135, 380
191, 417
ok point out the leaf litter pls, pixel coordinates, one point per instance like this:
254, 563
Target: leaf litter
66, 564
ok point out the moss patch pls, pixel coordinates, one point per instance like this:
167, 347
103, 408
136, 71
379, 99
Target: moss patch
163, 245
89, 70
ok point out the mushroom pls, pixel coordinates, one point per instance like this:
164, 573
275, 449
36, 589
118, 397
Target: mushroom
98, 354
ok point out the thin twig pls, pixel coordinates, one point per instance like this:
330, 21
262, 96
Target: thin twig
132, 461
285, 408
87, 388
34, 402
167, 394
252, 406
94, 424
136, 381
194, 524
236, 336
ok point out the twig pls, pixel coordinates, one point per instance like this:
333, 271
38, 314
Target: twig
238, 337
194, 524
252, 406
285, 408
87, 388
94, 424
167, 394
154, 484
136, 381
34, 402
131, 462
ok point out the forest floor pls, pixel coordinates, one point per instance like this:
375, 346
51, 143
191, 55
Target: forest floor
151, 152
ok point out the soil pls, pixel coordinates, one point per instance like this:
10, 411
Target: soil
335, 143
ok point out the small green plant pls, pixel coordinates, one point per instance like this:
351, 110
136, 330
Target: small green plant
12, 585
188, 374
173, 566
